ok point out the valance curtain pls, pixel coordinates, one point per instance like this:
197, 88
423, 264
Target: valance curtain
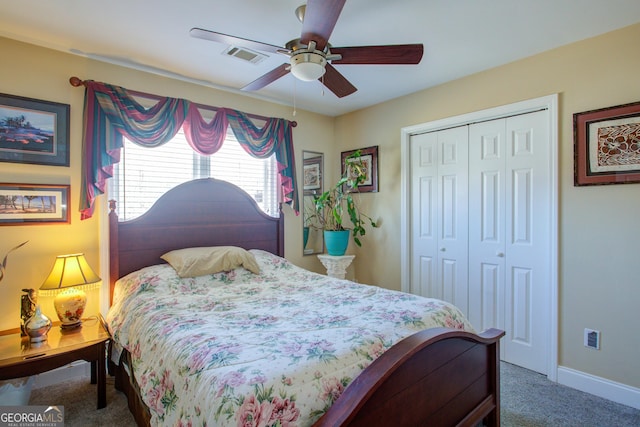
111, 113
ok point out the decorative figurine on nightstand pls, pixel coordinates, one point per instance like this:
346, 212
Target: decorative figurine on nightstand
28, 303
38, 326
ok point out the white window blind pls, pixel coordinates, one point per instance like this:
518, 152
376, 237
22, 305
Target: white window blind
144, 174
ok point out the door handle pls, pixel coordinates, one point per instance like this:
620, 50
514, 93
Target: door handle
443, 249
500, 254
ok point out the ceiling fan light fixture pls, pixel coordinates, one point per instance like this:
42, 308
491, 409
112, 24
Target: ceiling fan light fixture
308, 66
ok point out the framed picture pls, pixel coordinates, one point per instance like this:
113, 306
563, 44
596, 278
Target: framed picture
33, 131
369, 159
24, 204
312, 175
607, 145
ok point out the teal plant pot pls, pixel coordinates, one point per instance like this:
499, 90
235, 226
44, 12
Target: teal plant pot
336, 242
305, 237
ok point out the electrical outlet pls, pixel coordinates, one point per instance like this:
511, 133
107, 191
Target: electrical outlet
592, 338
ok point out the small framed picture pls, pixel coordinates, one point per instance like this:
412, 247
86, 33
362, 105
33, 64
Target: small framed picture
26, 204
607, 145
369, 159
312, 175
33, 131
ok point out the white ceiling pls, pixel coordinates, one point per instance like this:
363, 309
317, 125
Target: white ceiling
460, 37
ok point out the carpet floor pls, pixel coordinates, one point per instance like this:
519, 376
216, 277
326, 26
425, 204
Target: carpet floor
528, 400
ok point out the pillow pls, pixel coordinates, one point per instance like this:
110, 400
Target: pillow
193, 262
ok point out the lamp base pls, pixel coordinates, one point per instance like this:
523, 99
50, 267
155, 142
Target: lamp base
69, 305
68, 326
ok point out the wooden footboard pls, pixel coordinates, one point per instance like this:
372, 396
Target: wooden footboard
437, 377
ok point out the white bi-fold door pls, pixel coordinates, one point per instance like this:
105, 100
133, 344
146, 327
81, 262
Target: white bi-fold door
509, 234
439, 215
479, 228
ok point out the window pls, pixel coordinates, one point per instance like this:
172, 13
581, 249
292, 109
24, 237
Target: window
144, 174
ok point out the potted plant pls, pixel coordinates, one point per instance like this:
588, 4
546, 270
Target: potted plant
337, 204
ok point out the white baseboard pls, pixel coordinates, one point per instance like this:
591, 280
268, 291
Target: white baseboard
63, 374
611, 390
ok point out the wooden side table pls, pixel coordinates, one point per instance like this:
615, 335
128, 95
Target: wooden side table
336, 265
21, 358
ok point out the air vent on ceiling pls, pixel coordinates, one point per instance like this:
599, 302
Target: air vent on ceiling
245, 54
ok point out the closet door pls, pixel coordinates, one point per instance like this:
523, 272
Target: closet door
528, 225
424, 229
487, 224
439, 215
509, 234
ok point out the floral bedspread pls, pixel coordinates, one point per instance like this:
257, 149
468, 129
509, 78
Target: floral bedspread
274, 349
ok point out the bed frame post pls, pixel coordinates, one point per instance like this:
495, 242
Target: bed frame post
281, 233
114, 261
493, 419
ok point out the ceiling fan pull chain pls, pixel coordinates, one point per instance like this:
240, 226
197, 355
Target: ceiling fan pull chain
294, 97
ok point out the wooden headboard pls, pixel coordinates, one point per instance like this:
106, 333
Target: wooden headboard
203, 212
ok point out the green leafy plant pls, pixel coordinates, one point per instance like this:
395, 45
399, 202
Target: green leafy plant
332, 205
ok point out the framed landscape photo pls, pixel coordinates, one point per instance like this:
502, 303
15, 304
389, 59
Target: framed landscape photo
607, 145
369, 159
33, 131
25, 204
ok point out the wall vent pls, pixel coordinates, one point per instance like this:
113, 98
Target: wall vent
245, 54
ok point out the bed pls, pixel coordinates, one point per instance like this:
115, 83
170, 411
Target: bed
417, 363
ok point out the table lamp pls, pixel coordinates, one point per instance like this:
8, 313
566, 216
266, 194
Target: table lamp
69, 273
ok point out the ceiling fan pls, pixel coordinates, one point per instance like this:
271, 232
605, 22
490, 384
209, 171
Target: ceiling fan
311, 56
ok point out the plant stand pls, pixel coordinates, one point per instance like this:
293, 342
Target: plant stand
336, 265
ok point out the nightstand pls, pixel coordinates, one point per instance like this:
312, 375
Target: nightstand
336, 265
21, 358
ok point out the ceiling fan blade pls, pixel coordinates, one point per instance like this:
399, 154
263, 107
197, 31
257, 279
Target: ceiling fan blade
390, 54
319, 21
268, 78
336, 82
233, 40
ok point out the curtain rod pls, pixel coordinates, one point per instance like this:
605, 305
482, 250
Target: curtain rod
76, 82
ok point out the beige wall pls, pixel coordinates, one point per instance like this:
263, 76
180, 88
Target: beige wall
598, 226
40, 73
